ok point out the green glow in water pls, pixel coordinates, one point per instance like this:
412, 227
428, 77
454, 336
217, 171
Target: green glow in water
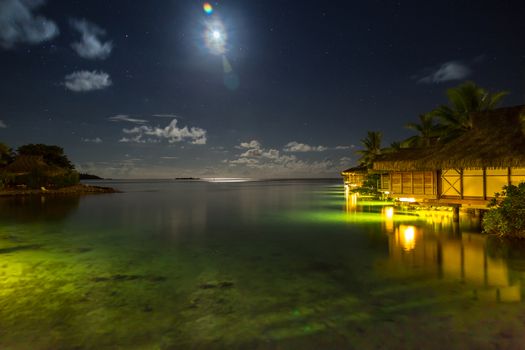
331, 216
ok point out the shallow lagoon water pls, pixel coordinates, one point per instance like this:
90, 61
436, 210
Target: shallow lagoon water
258, 265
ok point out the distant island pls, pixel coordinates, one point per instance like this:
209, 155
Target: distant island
41, 169
187, 179
85, 176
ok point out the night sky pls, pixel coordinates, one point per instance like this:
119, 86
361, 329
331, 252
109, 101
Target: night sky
267, 88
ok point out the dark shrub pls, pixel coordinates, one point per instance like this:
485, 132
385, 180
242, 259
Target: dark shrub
506, 217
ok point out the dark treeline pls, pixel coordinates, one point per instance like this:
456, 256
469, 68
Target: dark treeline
35, 166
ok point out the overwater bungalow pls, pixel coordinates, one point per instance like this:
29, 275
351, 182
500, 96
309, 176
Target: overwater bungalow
468, 170
355, 177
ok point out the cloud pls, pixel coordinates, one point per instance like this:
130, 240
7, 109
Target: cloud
169, 157
19, 25
135, 139
448, 71
171, 132
344, 161
90, 46
244, 161
83, 81
254, 152
301, 147
166, 116
126, 118
271, 154
251, 144
2, 125
344, 147
94, 140
257, 160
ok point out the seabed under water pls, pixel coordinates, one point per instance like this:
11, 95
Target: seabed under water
250, 265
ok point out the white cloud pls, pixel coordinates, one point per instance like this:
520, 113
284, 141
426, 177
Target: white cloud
169, 157
343, 147
2, 124
254, 150
252, 153
94, 140
83, 81
135, 139
271, 154
344, 161
171, 116
171, 132
257, 161
244, 161
19, 24
90, 46
126, 118
251, 144
301, 147
448, 71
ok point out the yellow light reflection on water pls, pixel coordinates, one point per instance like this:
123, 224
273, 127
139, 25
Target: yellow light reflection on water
388, 213
407, 237
350, 199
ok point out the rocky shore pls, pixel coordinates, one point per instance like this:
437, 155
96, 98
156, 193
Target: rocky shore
79, 189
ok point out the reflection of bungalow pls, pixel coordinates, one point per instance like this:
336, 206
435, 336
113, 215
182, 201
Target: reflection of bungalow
467, 170
461, 258
355, 177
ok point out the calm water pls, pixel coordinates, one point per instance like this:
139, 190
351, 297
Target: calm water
256, 265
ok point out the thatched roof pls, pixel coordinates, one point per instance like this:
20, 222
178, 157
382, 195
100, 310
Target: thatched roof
25, 164
496, 140
358, 169
404, 159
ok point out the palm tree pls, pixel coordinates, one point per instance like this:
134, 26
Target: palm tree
464, 100
427, 131
372, 144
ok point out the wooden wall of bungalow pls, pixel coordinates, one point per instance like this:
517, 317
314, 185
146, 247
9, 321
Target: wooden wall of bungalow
414, 184
478, 183
454, 184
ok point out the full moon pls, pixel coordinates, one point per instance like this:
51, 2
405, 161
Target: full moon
216, 37
216, 34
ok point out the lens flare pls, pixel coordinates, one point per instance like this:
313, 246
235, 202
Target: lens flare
207, 8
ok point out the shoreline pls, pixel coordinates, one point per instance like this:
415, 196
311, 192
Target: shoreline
79, 189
